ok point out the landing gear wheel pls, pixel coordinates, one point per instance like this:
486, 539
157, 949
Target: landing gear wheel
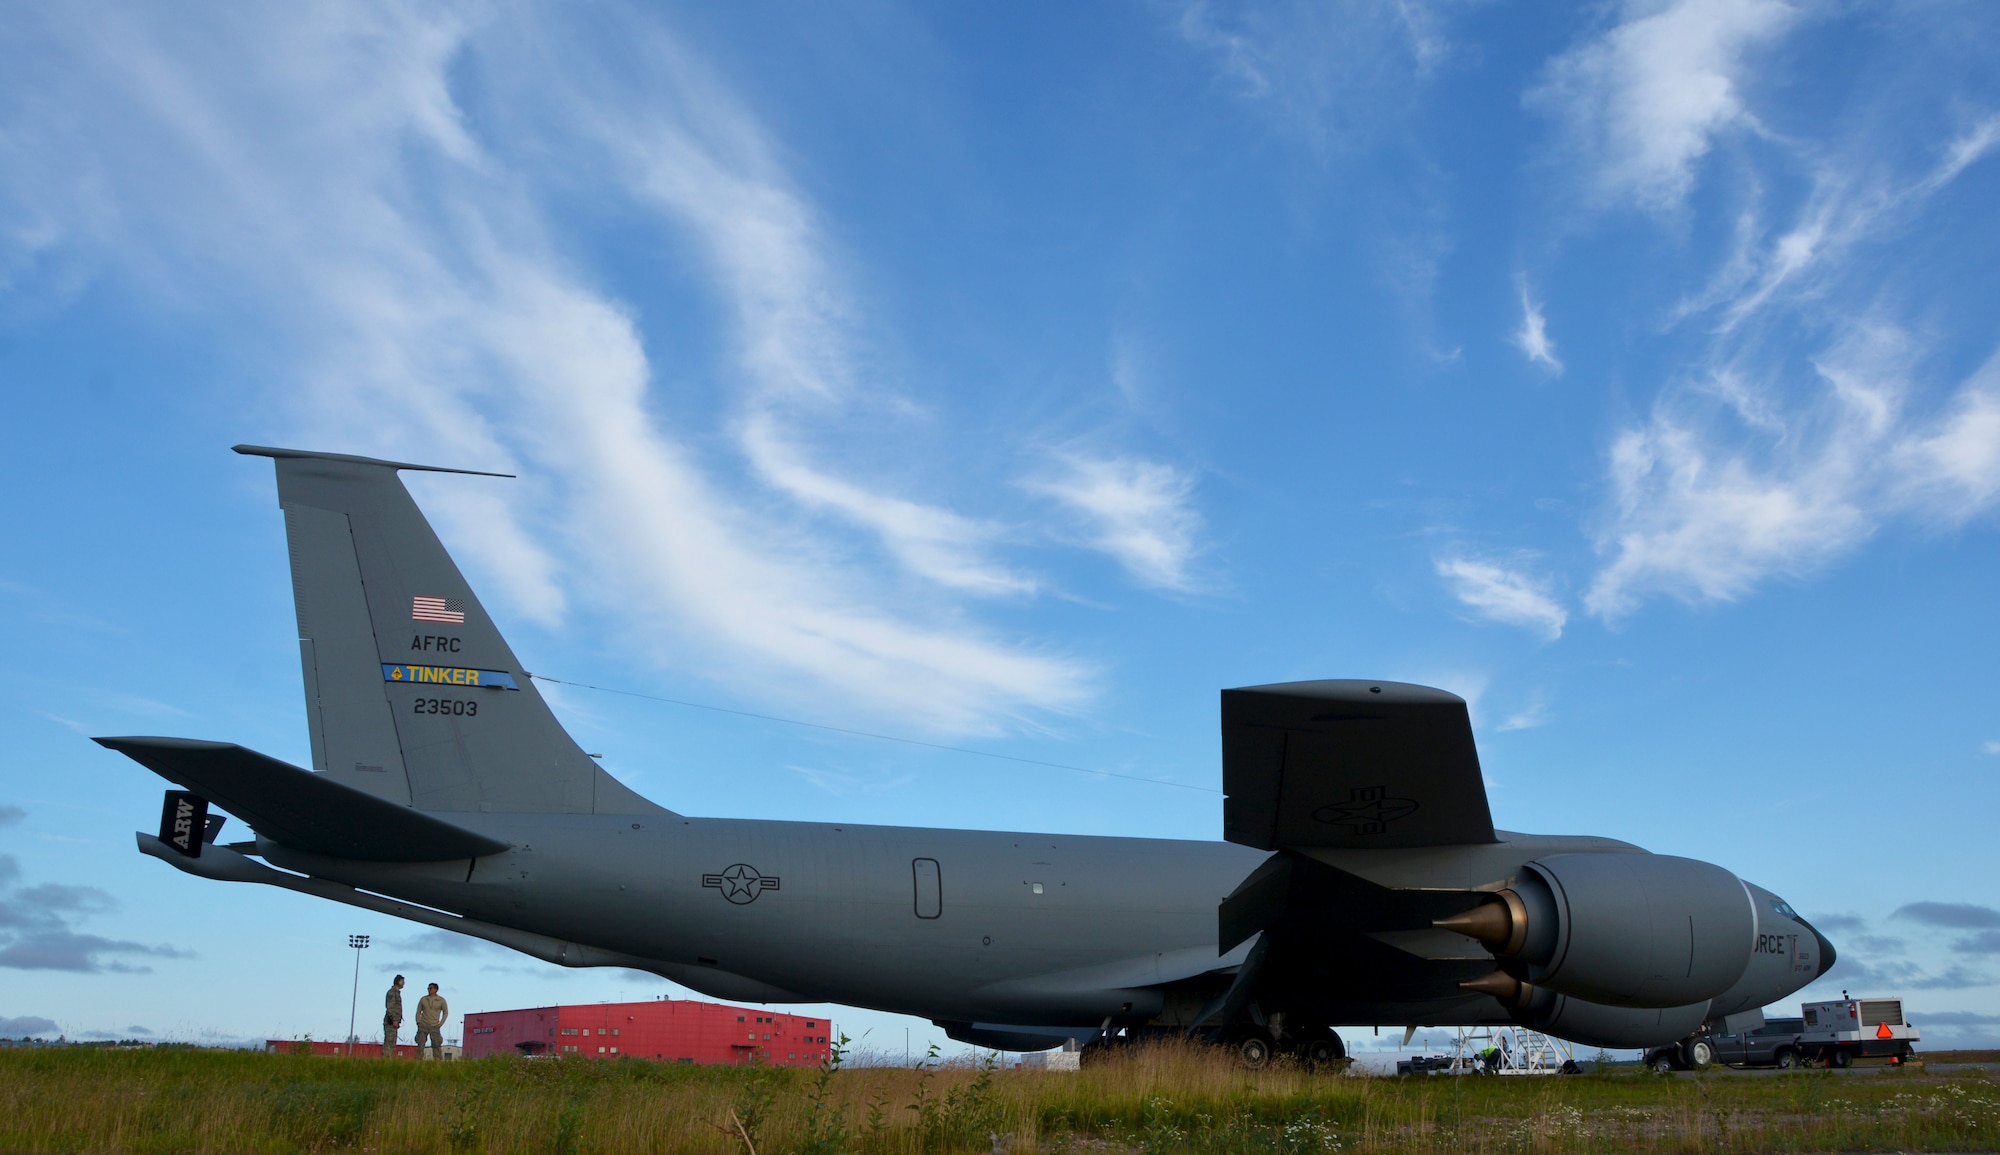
1661, 1064
1254, 1049
1323, 1050
1786, 1059
1840, 1060
1698, 1053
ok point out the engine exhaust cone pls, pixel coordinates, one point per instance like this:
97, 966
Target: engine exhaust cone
1488, 923
1501, 925
1510, 991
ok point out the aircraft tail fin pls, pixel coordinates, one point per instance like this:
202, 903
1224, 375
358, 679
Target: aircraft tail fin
411, 692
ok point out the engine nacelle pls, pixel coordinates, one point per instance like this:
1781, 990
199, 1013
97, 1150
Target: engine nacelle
1596, 1025
1592, 1024
1622, 930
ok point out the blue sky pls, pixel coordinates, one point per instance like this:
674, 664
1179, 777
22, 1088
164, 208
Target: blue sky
1015, 378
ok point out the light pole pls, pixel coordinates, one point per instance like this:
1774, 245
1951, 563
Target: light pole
360, 943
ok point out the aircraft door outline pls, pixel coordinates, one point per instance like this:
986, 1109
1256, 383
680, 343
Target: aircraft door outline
929, 887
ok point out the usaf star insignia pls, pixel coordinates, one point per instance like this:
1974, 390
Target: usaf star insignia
741, 883
1367, 810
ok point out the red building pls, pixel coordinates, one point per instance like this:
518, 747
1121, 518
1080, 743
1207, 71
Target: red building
664, 1030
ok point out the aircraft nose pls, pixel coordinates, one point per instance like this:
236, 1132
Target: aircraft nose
1827, 954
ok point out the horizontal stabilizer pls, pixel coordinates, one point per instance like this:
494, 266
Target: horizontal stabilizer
300, 809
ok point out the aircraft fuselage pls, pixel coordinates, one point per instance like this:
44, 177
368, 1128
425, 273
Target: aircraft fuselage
947, 924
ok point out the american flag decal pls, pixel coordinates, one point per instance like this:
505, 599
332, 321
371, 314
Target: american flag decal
425, 609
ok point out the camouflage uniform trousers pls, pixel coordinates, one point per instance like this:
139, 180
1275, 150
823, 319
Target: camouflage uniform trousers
392, 1018
436, 1037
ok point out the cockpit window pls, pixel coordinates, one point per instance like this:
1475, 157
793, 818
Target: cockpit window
1784, 908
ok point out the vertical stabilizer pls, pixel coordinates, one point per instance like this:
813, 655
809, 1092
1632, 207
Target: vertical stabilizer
411, 692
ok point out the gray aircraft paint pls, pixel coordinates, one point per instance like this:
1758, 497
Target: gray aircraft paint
361, 552
1369, 790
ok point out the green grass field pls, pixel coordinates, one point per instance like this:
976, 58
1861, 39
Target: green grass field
1166, 1099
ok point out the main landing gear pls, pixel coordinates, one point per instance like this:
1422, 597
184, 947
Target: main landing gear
1317, 1047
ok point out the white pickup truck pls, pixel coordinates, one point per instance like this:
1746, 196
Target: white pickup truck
1841, 1031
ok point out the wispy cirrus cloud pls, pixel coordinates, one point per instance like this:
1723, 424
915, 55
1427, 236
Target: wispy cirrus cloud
405, 261
1852, 202
844, 782
1532, 338
1335, 80
1752, 462
1709, 503
928, 540
1330, 73
1140, 513
1530, 716
1640, 104
1504, 593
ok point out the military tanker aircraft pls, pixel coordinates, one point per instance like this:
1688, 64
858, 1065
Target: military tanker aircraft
1360, 879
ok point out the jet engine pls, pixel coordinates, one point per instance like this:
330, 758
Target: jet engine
1623, 930
1591, 1024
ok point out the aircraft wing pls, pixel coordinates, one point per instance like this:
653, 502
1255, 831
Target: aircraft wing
1345, 765
1350, 764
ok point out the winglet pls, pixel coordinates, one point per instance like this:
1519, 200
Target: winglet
268, 451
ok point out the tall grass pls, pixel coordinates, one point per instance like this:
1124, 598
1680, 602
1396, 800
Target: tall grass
1173, 1098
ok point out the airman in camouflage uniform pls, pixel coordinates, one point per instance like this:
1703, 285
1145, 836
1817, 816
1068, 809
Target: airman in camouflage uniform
392, 1017
432, 1011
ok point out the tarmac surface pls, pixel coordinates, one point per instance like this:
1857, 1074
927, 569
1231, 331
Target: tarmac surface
1379, 1064
1857, 1069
